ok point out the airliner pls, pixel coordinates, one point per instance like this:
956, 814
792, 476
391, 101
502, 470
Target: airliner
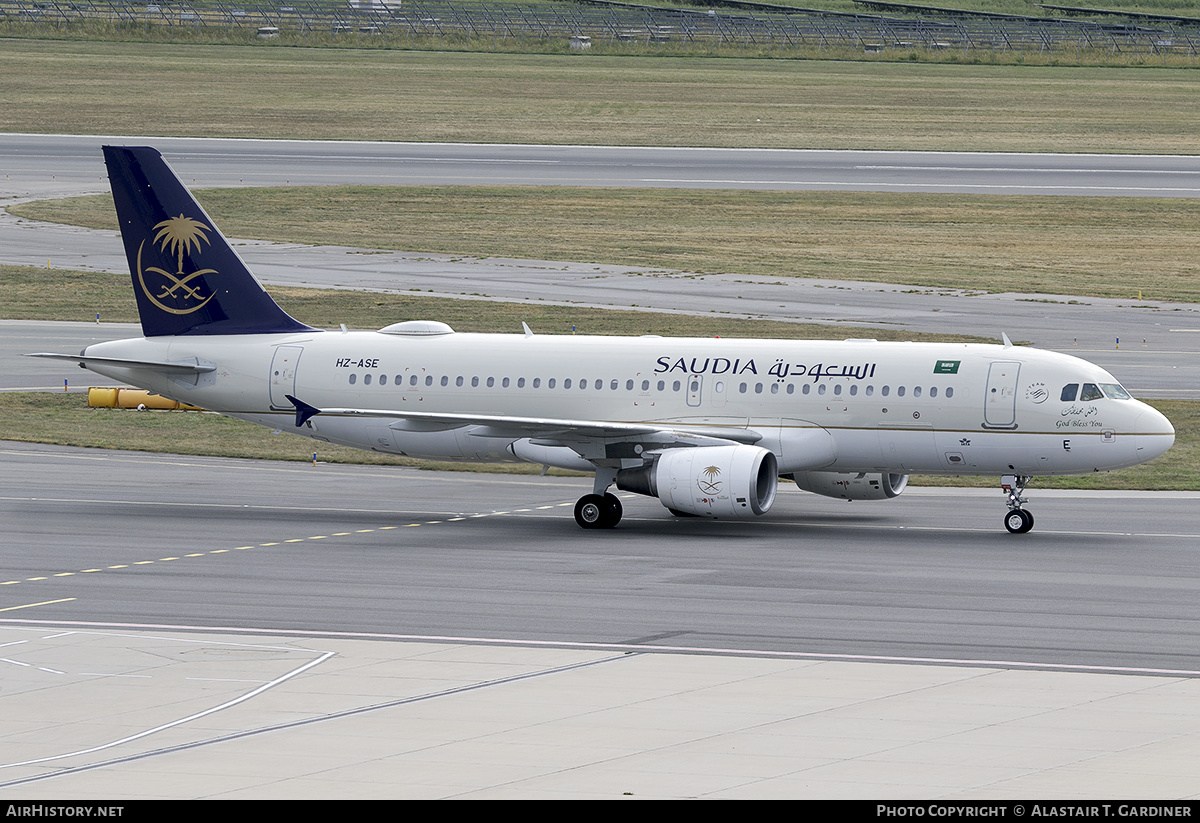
707, 426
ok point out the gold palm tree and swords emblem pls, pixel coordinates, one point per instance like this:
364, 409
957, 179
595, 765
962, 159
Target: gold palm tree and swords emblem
177, 236
709, 480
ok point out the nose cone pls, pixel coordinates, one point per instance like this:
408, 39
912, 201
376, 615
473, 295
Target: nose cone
1155, 434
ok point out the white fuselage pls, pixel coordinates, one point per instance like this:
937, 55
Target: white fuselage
843, 406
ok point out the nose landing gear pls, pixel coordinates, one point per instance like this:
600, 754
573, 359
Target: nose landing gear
1018, 520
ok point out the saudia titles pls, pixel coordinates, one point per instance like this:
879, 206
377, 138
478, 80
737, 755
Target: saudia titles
779, 369
178, 292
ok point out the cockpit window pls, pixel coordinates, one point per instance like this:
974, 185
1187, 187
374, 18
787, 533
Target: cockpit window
1090, 392
1069, 391
1115, 391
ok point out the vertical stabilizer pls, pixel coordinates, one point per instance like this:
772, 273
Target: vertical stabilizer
186, 277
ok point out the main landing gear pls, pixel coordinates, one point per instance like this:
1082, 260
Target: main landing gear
598, 511
1018, 520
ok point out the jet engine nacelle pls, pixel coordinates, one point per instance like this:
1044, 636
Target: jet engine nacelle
723, 482
851, 485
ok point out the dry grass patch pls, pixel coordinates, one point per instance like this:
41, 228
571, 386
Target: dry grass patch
1100, 246
178, 89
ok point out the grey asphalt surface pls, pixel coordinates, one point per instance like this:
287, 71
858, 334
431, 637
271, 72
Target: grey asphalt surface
401, 552
189, 627
37, 164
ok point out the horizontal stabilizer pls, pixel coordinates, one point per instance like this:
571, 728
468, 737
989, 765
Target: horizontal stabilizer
191, 366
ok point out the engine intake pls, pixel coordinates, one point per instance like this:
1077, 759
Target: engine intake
722, 482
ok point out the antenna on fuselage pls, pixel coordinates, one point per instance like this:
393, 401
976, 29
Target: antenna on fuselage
1007, 342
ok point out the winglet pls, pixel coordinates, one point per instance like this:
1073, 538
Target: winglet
304, 412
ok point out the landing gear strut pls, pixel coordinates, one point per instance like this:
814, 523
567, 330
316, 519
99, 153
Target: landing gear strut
1018, 520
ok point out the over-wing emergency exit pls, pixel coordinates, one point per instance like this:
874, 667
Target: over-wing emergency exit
707, 426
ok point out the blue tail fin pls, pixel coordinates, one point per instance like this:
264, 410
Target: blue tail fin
187, 278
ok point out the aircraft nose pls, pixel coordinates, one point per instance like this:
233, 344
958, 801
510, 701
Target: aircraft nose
1155, 434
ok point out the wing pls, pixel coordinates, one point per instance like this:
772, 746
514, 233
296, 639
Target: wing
594, 440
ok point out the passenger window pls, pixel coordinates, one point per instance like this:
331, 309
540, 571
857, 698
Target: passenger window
933, 391
949, 392
774, 388
1069, 391
353, 379
550, 383
853, 389
628, 385
537, 382
491, 381
367, 379
412, 381
675, 386
383, 379
1090, 392
520, 382
474, 382
900, 391
807, 388
742, 388
821, 389
429, 380
458, 381
916, 391
837, 389
645, 385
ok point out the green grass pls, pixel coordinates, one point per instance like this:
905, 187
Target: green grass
1098, 246
348, 94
